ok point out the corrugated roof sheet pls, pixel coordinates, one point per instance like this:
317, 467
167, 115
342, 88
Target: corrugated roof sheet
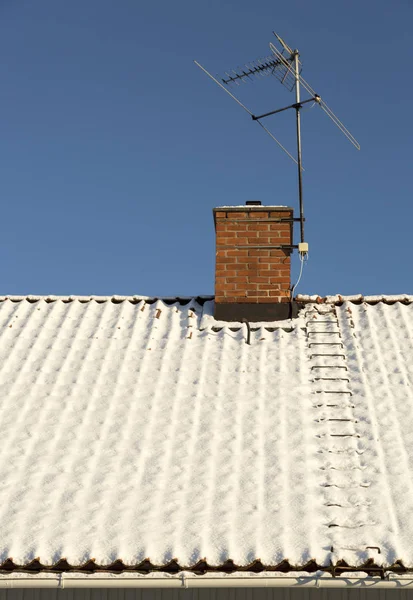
141, 431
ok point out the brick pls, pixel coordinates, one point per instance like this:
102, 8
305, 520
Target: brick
239, 299
271, 260
275, 240
226, 234
219, 289
237, 252
241, 241
223, 242
220, 215
226, 242
280, 253
273, 234
279, 273
242, 272
243, 280
220, 280
284, 227
256, 293
258, 279
262, 273
280, 293
235, 297
245, 287
258, 227
267, 300
258, 252
247, 261
285, 214
226, 259
253, 241
285, 279
237, 215
272, 268
236, 226
259, 215
220, 268
226, 271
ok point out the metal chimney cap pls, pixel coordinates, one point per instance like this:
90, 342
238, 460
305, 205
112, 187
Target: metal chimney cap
253, 203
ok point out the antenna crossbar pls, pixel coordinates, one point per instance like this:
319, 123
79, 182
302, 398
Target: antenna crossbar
274, 112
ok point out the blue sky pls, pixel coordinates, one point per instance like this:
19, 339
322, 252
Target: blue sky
114, 147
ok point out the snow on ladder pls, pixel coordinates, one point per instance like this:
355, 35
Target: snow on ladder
343, 479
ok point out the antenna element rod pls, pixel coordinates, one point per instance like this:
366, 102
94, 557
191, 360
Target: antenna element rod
221, 86
298, 120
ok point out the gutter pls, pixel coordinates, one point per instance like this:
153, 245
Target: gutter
185, 581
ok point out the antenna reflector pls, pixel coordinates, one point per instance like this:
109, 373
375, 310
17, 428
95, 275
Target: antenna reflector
279, 56
283, 44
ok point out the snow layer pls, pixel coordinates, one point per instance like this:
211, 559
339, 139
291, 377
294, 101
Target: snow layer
130, 432
338, 298
254, 207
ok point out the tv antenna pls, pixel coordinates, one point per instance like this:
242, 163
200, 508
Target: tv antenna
284, 63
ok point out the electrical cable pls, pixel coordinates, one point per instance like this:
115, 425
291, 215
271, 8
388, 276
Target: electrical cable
302, 260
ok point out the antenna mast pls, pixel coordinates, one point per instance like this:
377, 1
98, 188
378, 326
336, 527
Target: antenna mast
299, 161
285, 65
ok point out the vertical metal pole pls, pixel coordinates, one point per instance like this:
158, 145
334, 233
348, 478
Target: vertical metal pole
300, 170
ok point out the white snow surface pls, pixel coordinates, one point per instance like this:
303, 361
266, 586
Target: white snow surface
135, 430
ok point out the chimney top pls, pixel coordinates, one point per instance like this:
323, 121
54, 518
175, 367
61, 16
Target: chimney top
253, 203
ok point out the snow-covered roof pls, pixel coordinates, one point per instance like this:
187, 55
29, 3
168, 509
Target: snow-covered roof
141, 433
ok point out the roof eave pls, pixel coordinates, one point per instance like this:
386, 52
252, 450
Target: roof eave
188, 580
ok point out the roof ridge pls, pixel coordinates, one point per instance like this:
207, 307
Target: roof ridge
88, 298
135, 298
356, 298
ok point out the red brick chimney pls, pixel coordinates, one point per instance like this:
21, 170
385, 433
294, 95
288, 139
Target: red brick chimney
252, 276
